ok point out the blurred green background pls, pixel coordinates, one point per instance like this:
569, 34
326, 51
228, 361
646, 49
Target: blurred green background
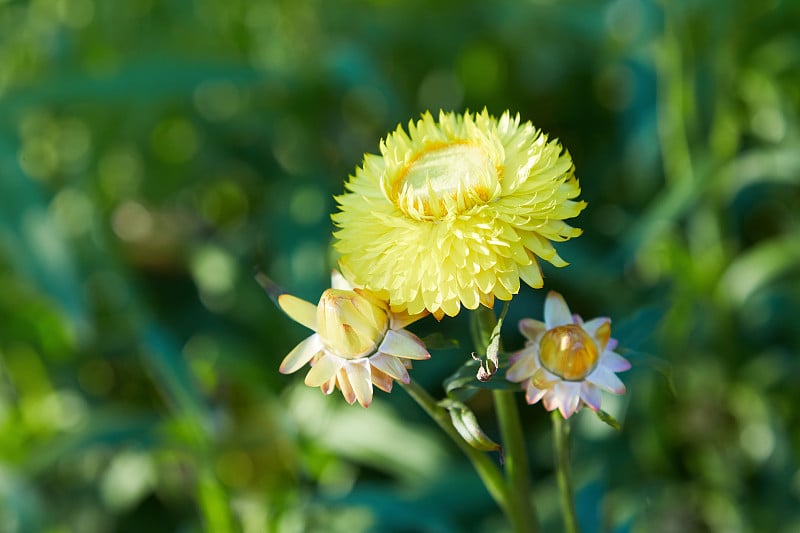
153, 153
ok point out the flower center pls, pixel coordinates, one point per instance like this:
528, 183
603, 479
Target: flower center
444, 179
568, 352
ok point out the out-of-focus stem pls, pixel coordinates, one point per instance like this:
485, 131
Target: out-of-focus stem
489, 473
516, 462
563, 473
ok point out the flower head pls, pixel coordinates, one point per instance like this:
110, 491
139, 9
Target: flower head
358, 342
456, 212
566, 361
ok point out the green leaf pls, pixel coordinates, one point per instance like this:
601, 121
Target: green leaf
437, 341
466, 423
174, 378
758, 266
32, 240
463, 383
485, 330
608, 419
482, 323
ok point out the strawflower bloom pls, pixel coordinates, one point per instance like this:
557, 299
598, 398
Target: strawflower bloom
566, 361
358, 342
456, 211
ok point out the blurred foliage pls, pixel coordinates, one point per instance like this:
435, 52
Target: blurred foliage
152, 153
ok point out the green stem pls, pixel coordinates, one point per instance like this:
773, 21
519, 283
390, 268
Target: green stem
523, 516
489, 473
563, 474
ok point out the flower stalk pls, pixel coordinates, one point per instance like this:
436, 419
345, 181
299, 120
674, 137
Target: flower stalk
561, 446
489, 473
523, 516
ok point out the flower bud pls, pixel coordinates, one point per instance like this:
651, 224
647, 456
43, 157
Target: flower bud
349, 324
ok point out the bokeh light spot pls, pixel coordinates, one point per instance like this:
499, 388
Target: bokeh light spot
72, 210
120, 172
39, 158
76, 14
307, 205
224, 203
175, 140
218, 100
757, 440
129, 477
74, 140
214, 270
54, 411
131, 221
769, 124
307, 261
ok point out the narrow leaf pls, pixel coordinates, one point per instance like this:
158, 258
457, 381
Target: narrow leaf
481, 325
608, 419
437, 341
489, 366
466, 423
272, 289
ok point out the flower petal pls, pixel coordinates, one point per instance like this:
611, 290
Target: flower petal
605, 378
401, 343
544, 379
360, 379
401, 319
532, 274
299, 310
551, 400
451, 307
569, 406
338, 281
591, 396
301, 354
390, 365
600, 330
533, 330
590, 326
344, 385
329, 385
324, 368
381, 380
533, 394
614, 361
524, 367
569, 396
556, 311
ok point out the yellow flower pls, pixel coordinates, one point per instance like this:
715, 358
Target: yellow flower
455, 212
358, 342
566, 361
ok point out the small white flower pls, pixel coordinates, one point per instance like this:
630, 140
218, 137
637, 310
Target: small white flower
566, 361
358, 342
